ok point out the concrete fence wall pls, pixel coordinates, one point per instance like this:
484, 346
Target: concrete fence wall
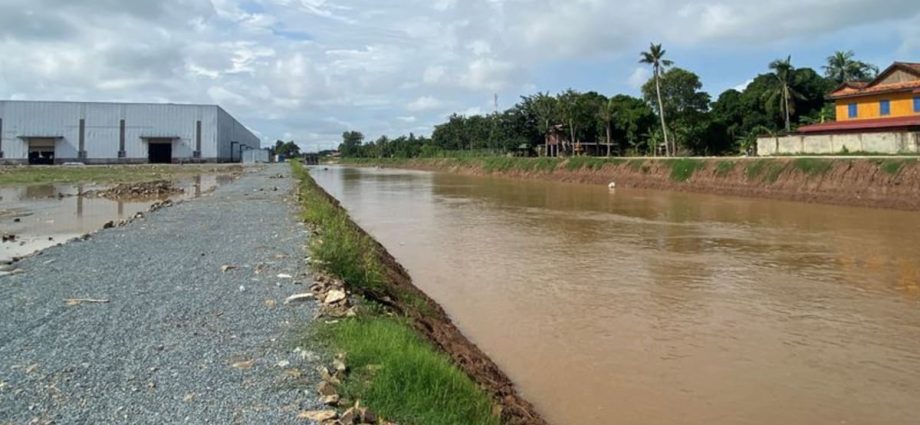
886, 143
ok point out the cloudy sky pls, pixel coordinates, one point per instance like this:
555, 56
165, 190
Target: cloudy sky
310, 69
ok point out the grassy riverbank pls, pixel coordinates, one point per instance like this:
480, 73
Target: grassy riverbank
395, 370
10, 175
682, 169
883, 182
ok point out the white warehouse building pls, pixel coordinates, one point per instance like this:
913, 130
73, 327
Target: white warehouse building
36, 132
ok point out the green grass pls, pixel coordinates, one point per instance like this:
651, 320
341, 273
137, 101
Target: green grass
338, 248
765, 170
10, 175
635, 164
894, 166
592, 163
813, 166
725, 167
682, 169
499, 164
402, 377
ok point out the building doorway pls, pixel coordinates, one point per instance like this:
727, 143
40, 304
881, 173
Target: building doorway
41, 151
159, 152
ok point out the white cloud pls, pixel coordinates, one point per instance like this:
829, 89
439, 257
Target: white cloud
311, 68
639, 76
424, 103
744, 85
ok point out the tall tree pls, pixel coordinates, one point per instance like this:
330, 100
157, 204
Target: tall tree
655, 57
606, 114
842, 67
682, 99
784, 73
351, 144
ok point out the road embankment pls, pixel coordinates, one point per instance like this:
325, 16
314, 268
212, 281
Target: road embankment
883, 182
411, 383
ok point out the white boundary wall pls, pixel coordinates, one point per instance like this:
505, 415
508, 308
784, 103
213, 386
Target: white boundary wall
886, 143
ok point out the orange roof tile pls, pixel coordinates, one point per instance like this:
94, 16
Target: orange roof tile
878, 89
856, 88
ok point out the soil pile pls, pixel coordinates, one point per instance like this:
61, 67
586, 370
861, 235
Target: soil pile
147, 190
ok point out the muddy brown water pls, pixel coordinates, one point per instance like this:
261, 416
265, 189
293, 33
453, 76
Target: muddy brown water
645, 307
44, 215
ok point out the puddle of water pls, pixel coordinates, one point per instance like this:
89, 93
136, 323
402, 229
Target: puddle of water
45, 215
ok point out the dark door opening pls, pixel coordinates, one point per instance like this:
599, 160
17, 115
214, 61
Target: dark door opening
41, 152
159, 153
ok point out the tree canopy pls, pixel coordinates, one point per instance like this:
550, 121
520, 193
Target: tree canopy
777, 100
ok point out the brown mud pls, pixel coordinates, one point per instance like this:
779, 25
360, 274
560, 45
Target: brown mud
432, 322
892, 183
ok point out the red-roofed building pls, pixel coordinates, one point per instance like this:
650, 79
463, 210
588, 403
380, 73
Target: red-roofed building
882, 115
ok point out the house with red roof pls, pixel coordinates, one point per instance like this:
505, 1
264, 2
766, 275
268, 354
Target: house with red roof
879, 116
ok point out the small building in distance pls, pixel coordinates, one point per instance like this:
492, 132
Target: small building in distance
879, 116
39, 132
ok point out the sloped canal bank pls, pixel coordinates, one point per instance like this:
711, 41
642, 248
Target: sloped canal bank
641, 307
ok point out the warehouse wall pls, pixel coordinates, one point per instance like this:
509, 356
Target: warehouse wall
102, 130
230, 130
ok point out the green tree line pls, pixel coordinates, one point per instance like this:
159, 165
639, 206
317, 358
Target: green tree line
674, 116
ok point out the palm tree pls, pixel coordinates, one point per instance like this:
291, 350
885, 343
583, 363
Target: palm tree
842, 67
785, 76
606, 115
655, 57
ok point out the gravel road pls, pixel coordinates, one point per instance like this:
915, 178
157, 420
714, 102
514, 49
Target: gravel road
180, 340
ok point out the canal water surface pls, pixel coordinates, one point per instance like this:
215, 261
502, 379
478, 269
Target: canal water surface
644, 307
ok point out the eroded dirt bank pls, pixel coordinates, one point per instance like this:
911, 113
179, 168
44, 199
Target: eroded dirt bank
865, 182
433, 323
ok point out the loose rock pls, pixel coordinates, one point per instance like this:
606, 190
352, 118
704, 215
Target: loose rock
318, 415
298, 298
334, 296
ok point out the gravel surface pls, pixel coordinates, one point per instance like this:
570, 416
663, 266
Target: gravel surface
180, 340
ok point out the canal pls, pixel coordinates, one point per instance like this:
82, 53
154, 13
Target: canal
644, 307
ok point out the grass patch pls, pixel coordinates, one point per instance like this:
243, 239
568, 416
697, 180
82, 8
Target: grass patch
402, 377
592, 163
725, 167
684, 168
765, 170
106, 173
894, 166
499, 164
635, 164
813, 166
338, 248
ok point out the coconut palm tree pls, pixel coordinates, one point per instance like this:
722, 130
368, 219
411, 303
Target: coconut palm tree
784, 93
842, 67
655, 57
606, 114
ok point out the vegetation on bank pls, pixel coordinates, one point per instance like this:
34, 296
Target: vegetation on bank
10, 175
673, 116
763, 170
394, 371
402, 377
